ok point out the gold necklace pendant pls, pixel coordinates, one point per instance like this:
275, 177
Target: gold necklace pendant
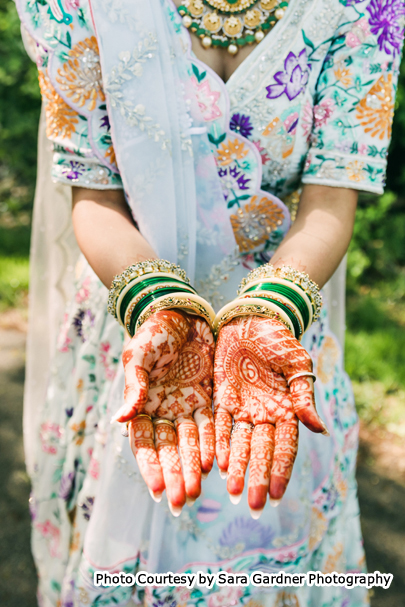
231, 24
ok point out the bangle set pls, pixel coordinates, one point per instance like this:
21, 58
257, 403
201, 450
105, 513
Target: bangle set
282, 293
149, 287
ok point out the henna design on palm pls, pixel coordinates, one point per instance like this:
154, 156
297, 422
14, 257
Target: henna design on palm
168, 374
254, 359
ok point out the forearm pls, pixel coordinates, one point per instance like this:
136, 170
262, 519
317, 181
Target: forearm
105, 232
321, 233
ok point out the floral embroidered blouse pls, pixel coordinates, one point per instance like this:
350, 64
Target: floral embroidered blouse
323, 118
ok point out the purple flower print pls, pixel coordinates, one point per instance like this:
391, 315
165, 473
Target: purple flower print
386, 23
83, 321
232, 179
293, 80
241, 124
168, 601
67, 486
87, 507
105, 122
73, 171
248, 532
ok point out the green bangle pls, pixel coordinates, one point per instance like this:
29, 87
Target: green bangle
146, 301
137, 288
291, 315
292, 295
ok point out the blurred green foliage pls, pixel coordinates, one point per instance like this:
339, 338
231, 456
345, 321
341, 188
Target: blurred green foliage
375, 346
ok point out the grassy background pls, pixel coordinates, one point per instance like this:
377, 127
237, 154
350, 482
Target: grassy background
375, 341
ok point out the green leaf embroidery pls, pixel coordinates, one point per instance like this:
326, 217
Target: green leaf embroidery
216, 142
197, 73
307, 41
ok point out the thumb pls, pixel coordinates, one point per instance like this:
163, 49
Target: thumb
136, 384
303, 399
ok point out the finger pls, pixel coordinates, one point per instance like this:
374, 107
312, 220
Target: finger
223, 427
285, 451
238, 461
206, 430
303, 399
166, 447
141, 439
189, 447
261, 457
136, 384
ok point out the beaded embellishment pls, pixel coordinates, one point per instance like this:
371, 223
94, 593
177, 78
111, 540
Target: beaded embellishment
231, 24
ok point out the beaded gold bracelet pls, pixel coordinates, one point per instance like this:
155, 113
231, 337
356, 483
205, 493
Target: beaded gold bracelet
150, 266
301, 279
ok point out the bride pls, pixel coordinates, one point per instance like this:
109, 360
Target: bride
199, 141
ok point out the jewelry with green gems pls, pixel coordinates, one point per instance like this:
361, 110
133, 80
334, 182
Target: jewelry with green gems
231, 24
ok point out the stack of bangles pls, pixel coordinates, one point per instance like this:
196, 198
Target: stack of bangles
284, 294
150, 286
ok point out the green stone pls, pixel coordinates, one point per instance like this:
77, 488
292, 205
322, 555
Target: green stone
250, 38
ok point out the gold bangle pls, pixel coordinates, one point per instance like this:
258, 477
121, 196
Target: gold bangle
249, 310
150, 266
280, 299
137, 299
267, 271
189, 303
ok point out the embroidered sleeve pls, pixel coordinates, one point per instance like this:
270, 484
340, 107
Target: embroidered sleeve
77, 122
354, 100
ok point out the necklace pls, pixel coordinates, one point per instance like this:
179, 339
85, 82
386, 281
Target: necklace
231, 23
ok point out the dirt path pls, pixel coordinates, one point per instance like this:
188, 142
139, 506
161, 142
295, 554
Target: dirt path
381, 478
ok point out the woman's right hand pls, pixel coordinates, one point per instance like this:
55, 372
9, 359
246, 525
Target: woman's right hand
168, 375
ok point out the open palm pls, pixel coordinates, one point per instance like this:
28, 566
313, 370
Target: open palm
168, 375
254, 359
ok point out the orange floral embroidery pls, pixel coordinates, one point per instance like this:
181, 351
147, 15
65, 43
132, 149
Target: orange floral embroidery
253, 224
334, 560
376, 109
110, 155
230, 151
317, 529
355, 170
287, 599
80, 76
60, 118
79, 430
75, 542
327, 359
344, 76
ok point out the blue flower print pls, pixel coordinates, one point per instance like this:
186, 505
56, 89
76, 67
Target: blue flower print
293, 80
248, 532
241, 124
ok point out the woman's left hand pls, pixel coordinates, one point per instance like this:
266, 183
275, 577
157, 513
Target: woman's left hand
168, 375
255, 359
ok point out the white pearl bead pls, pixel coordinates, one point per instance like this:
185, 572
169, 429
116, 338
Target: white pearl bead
187, 21
232, 49
206, 42
279, 14
259, 35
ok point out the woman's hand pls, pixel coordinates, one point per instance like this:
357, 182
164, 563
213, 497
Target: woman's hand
254, 359
168, 375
